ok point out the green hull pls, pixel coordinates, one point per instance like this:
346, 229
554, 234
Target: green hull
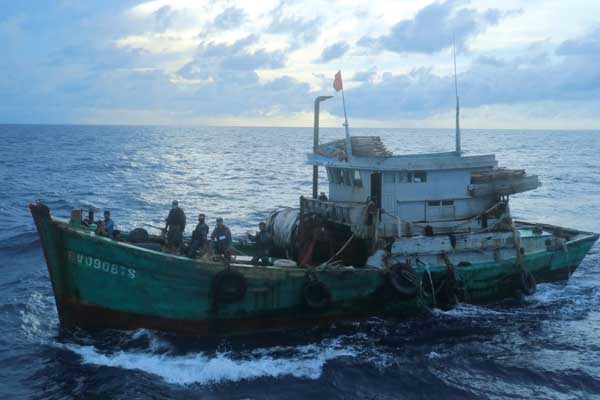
101, 283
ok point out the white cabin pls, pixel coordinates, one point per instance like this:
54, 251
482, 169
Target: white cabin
440, 190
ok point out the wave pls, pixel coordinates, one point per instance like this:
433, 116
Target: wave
21, 242
202, 368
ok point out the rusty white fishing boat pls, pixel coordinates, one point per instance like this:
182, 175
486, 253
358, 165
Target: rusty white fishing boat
396, 236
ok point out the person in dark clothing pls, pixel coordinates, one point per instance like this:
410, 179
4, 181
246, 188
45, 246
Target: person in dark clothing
175, 225
198, 237
263, 245
109, 224
221, 237
323, 197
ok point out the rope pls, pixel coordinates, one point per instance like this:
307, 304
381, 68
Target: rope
340, 250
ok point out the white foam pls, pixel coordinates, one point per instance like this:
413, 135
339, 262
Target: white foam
466, 310
306, 362
39, 319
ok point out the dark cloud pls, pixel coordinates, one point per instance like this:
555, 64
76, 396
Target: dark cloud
231, 17
434, 27
300, 31
588, 44
489, 81
334, 51
231, 62
364, 76
233, 86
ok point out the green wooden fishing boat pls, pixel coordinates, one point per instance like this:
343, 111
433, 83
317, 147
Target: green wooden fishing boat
396, 236
103, 283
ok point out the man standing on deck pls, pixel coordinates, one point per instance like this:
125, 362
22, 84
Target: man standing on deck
198, 237
109, 225
175, 226
221, 237
263, 245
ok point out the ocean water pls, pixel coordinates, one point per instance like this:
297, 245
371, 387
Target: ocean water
546, 346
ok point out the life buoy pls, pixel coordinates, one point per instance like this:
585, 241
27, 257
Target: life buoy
316, 295
229, 286
404, 279
527, 283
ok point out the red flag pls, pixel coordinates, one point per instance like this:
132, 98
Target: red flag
337, 82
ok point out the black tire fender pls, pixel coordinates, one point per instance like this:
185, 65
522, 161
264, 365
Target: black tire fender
229, 286
404, 280
316, 295
527, 283
138, 235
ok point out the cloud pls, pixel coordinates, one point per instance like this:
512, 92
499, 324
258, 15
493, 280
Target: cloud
231, 17
365, 76
234, 63
535, 77
434, 27
300, 30
588, 44
334, 51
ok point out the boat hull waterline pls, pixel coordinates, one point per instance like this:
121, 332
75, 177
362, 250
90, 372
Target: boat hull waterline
100, 283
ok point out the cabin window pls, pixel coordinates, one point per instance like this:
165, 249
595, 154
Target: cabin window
403, 177
356, 178
440, 209
419, 176
335, 175
347, 177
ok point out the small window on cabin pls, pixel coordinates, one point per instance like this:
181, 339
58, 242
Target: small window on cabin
419, 177
403, 177
447, 202
433, 203
388, 177
347, 177
356, 178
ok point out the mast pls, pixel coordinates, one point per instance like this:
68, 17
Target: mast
339, 86
315, 186
457, 133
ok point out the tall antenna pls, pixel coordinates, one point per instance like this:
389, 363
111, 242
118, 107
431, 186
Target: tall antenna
458, 151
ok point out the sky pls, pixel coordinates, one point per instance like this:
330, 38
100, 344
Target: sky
520, 64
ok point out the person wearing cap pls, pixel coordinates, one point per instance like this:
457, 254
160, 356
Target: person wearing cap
221, 237
175, 225
263, 245
198, 237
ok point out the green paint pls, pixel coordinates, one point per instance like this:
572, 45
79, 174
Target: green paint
113, 275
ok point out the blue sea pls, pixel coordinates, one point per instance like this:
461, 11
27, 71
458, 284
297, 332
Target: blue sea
546, 346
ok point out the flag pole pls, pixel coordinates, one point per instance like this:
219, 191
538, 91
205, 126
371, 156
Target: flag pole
348, 141
339, 85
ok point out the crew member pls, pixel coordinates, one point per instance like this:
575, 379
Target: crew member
101, 229
198, 237
221, 237
175, 225
263, 245
323, 197
109, 225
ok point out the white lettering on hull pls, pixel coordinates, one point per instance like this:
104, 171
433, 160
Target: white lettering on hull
99, 265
